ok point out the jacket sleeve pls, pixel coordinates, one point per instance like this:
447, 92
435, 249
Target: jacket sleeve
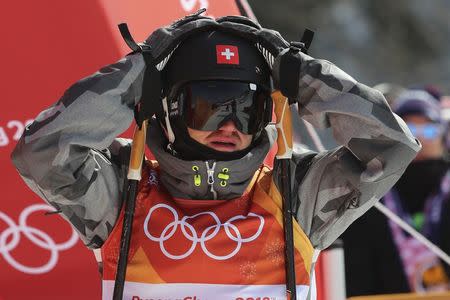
343, 183
70, 155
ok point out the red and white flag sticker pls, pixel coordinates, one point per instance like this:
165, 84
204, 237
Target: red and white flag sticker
227, 54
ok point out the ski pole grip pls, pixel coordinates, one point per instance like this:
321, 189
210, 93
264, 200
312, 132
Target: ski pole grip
283, 125
137, 152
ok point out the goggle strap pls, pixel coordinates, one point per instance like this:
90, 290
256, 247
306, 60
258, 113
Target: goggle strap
170, 134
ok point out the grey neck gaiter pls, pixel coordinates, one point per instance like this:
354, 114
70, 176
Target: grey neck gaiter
207, 179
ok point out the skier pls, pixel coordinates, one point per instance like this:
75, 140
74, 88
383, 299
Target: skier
208, 221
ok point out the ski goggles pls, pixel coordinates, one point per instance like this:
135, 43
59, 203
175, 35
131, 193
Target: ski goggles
429, 131
208, 105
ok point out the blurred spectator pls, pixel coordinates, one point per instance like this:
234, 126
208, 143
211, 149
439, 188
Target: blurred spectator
380, 257
445, 114
445, 108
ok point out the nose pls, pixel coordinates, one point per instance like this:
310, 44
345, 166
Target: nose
228, 127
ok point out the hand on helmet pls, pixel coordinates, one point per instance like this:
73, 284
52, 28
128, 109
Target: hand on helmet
156, 51
286, 72
283, 58
163, 41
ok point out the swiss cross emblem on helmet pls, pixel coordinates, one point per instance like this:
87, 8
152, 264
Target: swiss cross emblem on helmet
227, 54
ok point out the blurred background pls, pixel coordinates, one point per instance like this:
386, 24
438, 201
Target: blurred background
406, 42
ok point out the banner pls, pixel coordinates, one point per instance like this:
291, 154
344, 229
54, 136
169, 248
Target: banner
47, 46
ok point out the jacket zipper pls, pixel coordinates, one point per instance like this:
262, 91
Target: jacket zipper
210, 173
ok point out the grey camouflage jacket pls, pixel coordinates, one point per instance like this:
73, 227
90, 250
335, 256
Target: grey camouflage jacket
71, 156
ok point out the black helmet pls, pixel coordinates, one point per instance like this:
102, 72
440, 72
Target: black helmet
224, 75
215, 55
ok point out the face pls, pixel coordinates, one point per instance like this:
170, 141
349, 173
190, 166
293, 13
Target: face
432, 148
226, 139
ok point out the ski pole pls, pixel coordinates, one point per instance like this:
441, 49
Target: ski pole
284, 154
134, 176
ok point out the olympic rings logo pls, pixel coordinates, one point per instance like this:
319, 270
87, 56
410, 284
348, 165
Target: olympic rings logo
207, 234
36, 236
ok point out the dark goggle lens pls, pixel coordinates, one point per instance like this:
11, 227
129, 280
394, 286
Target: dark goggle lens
207, 105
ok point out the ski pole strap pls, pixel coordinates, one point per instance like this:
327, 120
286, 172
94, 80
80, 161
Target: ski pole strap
307, 38
126, 35
283, 125
137, 152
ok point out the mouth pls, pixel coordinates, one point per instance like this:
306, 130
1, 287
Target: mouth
225, 145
